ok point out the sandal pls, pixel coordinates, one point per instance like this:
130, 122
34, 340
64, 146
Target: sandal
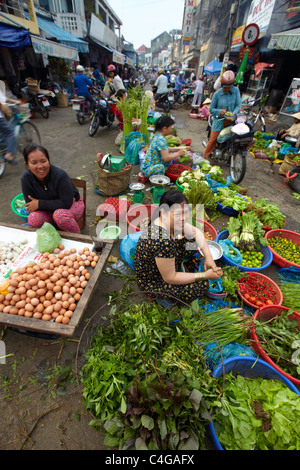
11, 160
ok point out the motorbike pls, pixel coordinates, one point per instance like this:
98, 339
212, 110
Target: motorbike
165, 100
232, 147
82, 108
38, 102
258, 117
103, 115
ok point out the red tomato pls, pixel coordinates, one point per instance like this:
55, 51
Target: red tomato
269, 302
247, 296
259, 303
252, 300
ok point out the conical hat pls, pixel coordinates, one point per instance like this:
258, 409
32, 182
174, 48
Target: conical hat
296, 116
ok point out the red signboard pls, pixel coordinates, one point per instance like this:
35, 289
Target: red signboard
243, 52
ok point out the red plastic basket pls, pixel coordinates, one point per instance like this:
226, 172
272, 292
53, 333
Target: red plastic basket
279, 296
208, 228
289, 235
114, 208
137, 214
267, 313
175, 169
187, 142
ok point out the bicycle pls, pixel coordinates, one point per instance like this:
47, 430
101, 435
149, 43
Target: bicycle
25, 133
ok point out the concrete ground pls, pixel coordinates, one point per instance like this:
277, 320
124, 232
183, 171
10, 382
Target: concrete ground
41, 407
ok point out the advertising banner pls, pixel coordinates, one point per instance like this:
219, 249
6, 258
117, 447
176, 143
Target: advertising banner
187, 22
260, 13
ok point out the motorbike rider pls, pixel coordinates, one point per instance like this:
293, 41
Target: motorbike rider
180, 81
116, 79
226, 99
126, 78
161, 85
99, 77
82, 84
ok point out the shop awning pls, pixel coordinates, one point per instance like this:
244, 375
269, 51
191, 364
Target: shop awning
54, 49
99, 43
286, 40
61, 35
13, 38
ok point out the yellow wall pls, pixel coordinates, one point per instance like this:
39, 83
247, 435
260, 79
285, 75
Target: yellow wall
32, 23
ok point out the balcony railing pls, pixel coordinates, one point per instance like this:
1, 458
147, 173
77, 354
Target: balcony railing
73, 23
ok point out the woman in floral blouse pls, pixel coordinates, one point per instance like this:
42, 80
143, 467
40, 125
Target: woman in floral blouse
159, 156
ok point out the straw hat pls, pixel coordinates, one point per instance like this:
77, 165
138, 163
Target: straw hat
296, 116
207, 101
149, 94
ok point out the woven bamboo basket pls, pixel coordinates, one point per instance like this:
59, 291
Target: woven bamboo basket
113, 183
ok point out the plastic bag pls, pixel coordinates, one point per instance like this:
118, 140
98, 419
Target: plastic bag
285, 149
134, 143
291, 274
224, 135
127, 248
47, 238
215, 185
213, 355
230, 251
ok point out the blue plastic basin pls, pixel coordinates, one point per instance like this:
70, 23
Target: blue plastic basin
266, 261
252, 368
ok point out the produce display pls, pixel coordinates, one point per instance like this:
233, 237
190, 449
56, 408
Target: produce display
252, 259
278, 337
286, 249
230, 198
199, 193
257, 414
291, 295
262, 148
269, 214
257, 290
51, 289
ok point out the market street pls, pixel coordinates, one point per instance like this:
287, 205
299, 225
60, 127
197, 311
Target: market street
36, 390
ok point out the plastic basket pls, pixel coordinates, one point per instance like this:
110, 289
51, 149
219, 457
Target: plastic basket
208, 228
266, 261
187, 142
136, 214
175, 169
289, 235
252, 368
228, 210
15, 209
267, 313
272, 284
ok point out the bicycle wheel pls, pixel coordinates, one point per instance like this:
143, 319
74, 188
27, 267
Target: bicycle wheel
28, 134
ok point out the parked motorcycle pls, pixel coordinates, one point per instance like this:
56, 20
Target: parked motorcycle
103, 115
257, 119
38, 102
232, 148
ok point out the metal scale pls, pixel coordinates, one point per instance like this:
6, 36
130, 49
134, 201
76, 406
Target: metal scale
157, 190
138, 194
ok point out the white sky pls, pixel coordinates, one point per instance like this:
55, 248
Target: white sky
144, 20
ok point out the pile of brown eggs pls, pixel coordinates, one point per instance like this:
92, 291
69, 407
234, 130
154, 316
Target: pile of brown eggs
51, 289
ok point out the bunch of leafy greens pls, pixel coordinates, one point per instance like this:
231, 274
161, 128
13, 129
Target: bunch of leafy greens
146, 383
269, 214
279, 337
257, 414
246, 232
230, 198
230, 278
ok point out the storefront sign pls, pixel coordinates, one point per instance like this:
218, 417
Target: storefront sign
260, 13
243, 51
54, 49
237, 36
118, 58
187, 23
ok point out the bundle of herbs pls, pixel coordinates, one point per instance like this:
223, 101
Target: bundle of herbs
269, 214
291, 295
279, 338
223, 325
146, 383
257, 414
199, 193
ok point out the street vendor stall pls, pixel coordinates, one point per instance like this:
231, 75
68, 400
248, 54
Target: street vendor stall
75, 244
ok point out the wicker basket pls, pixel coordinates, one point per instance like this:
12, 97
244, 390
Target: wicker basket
113, 183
